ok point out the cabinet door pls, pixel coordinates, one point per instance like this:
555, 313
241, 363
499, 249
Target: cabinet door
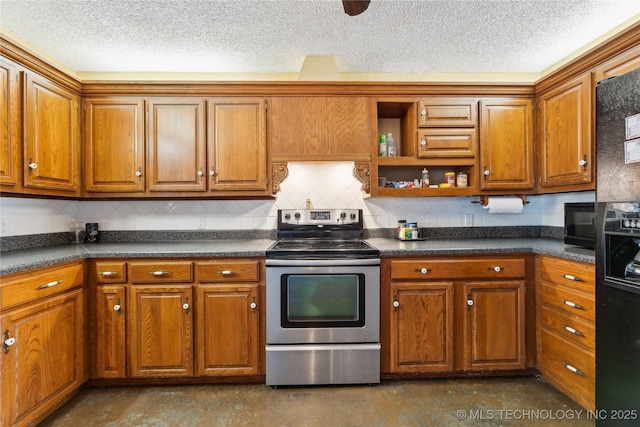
237, 150
227, 324
51, 154
110, 332
566, 149
319, 128
160, 330
506, 141
447, 143
10, 145
494, 325
176, 150
114, 145
46, 363
422, 327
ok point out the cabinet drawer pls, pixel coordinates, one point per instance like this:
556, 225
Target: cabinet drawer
161, 272
111, 272
229, 271
569, 300
447, 112
447, 143
568, 366
40, 283
571, 328
568, 273
456, 269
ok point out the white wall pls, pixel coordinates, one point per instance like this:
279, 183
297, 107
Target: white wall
327, 185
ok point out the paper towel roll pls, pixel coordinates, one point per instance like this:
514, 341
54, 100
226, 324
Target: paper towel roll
501, 205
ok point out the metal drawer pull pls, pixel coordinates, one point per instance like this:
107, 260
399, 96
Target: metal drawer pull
570, 277
227, 272
573, 369
50, 284
497, 269
573, 331
108, 273
159, 273
572, 304
423, 270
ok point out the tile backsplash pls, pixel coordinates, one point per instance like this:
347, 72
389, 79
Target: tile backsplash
327, 185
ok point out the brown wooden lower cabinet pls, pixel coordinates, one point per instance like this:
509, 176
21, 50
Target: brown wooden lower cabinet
477, 320
43, 333
566, 326
167, 318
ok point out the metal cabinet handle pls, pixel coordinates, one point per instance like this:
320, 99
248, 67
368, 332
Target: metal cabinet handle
423, 113
423, 142
572, 304
108, 273
185, 306
33, 166
8, 341
396, 304
573, 369
423, 270
159, 273
570, 277
573, 331
253, 304
486, 172
200, 173
212, 173
139, 172
227, 272
50, 284
497, 269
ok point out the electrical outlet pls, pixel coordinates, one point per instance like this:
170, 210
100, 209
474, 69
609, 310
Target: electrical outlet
4, 227
202, 223
468, 220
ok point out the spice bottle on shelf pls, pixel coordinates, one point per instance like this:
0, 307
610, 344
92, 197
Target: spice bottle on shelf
392, 148
450, 178
425, 177
382, 146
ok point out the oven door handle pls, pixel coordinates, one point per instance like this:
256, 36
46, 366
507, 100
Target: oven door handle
319, 262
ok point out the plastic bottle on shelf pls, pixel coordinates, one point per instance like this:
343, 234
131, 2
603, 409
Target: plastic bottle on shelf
382, 147
425, 177
392, 148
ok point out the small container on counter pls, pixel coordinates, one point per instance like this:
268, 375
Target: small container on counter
402, 224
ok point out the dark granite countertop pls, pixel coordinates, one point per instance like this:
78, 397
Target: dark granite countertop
26, 259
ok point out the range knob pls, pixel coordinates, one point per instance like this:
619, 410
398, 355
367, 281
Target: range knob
297, 215
287, 216
353, 216
343, 215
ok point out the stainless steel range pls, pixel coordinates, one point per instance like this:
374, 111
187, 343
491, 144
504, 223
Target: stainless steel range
323, 300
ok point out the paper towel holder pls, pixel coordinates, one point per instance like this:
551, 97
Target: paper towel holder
484, 199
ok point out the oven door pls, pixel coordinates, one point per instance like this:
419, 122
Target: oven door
323, 301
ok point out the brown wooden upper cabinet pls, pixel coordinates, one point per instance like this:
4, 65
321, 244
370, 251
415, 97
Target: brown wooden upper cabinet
566, 147
319, 128
194, 146
237, 144
506, 148
446, 112
619, 64
114, 145
10, 129
176, 145
51, 137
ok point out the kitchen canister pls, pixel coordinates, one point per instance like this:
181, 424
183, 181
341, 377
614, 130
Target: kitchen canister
91, 234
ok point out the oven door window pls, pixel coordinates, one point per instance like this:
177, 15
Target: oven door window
322, 300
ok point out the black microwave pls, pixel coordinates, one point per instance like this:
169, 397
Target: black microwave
580, 224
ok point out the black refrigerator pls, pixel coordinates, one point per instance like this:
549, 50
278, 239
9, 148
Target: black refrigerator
618, 251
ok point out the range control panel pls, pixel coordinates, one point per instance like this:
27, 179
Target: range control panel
319, 216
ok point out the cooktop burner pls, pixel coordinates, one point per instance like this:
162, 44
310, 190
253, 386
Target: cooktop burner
320, 234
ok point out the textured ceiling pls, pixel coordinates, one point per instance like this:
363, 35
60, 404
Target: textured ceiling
274, 36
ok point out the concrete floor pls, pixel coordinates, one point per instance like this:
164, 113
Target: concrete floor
437, 402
